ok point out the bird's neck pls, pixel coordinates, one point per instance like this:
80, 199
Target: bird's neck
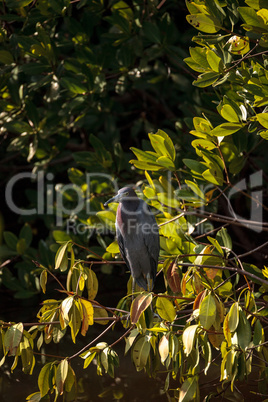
129, 206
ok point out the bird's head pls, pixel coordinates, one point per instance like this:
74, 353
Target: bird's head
125, 193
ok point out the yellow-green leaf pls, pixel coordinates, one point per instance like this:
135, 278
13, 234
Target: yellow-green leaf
204, 23
91, 284
262, 119
43, 280
207, 312
214, 61
43, 379
61, 375
113, 248
61, 259
225, 129
165, 308
100, 313
88, 313
229, 114
6, 57
233, 317
206, 79
188, 390
140, 352
12, 338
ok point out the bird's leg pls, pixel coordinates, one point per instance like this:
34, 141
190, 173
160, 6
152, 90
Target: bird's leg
148, 279
133, 287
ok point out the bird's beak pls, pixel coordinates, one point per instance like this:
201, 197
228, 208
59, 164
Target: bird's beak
114, 199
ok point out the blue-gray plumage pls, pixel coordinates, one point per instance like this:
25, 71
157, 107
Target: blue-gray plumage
138, 236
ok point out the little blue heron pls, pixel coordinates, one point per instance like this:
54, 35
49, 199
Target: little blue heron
138, 237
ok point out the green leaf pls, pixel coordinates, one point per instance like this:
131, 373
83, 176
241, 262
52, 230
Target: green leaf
154, 167
61, 259
225, 129
27, 356
193, 65
215, 244
35, 397
258, 333
140, 352
224, 239
61, 236
43, 280
203, 144
26, 234
131, 338
243, 331
169, 146
12, 338
251, 18
108, 217
166, 163
113, 248
262, 119
213, 175
194, 165
194, 187
74, 85
168, 201
61, 375
188, 390
214, 61
21, 246
103, 155
43, 379
207, 312
91, 284
144, 156
229, 114
151, 32
233, 317
199, 55
165, 308
17, 3
204, 23
101, 313
206, 79
6, 57
11, 240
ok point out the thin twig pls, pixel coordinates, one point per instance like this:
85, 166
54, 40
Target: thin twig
91, 343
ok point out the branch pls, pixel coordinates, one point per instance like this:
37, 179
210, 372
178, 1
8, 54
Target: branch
237, 270
91, 343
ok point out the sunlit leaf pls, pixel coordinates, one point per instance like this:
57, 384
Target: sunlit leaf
163, 348
204, 23
139, 305
165, 309
188, 390
188, 338
12, 338
233, 317
207, 312
61, 375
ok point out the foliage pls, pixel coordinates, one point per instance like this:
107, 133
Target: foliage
71, 68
